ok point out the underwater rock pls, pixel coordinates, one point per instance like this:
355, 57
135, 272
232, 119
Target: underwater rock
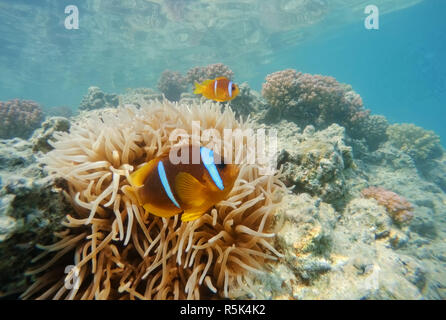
96, 99
327, 255
315, 161
172, 84
31, 209
44, 134
19, 118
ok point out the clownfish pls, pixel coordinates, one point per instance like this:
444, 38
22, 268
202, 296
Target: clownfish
166, 189
220, 89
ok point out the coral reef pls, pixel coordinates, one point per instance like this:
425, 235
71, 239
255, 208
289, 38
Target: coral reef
121, 252
315, 161
314, 100
328, 255
31, 209
19, 118
172, 84
212, 71
417, 142
96, 99
397, 207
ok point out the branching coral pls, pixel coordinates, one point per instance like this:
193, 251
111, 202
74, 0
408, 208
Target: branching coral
212, 71
314, 99
121, 252
419, 143
19, 118
172, 84
399, 209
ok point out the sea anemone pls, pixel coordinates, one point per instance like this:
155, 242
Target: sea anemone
118, 251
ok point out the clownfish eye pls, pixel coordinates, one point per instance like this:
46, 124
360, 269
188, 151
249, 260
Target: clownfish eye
233, 87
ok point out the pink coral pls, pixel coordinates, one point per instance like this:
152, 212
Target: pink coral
19, 118
212, 71
397, 207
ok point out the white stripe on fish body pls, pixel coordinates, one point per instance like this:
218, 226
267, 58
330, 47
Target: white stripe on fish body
165, 183
215, 87
230, 89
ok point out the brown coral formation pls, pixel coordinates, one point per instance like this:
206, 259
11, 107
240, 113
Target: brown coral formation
121, 252
397, 207
19, 118
172, 84
212, 71
315, 100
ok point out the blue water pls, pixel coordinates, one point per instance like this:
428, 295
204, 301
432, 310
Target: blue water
399, 70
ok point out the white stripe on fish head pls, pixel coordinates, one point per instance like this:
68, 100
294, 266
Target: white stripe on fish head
215, 87
207, 156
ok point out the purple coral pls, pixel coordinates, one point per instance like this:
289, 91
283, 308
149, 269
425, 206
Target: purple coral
314, 99
19, 118
397, 207
212, 71
172, 84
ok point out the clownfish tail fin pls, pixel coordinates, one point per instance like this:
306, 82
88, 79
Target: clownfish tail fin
198, 88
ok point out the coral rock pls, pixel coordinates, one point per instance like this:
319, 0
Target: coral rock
397, 207
417, 142
172, 84
19, 118
96, 99
212, 71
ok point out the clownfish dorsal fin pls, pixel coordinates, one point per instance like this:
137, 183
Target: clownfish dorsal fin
138, 177
189, 189
206, 82
221, 78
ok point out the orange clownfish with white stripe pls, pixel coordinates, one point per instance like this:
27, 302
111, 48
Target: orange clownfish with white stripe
166, 189
220, 89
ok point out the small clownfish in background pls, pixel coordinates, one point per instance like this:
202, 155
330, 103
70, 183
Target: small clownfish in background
220, 89
166, 189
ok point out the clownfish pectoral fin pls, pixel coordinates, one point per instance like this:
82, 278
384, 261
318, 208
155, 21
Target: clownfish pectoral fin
190, 190
192, 215
138, 177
